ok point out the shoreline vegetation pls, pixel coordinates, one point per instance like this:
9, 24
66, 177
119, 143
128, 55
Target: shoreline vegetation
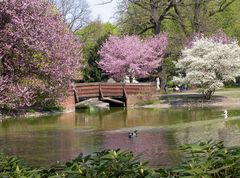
209, 159
227, 97
34, 114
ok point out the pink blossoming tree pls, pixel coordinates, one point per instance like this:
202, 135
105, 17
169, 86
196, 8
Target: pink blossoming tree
38, 55
132, 57
219, 37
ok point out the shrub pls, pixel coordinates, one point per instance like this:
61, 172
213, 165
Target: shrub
211, 159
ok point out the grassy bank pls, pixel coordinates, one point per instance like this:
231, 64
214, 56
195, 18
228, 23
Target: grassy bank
209, 159
227, 97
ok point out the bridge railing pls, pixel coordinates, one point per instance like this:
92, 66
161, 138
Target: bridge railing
113, 89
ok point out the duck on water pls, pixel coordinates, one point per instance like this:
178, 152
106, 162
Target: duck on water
225, 113
132, 134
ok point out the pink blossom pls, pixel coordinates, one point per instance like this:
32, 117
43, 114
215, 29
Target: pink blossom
219, 37
131, 56
38, 54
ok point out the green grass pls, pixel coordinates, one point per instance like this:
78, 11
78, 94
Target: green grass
149, 102
230, 92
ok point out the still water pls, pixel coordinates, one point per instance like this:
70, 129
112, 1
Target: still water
43, 141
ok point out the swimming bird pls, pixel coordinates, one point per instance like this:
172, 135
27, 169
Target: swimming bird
132, 134
225, 113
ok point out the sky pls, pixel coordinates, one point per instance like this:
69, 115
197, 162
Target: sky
105, 12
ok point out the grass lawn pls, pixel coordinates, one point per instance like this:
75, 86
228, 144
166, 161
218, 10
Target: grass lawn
223, 98
229, 92
225, 92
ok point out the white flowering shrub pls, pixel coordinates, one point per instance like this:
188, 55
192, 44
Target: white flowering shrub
208, 64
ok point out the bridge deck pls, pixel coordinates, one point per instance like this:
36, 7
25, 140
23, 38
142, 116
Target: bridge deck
111, 91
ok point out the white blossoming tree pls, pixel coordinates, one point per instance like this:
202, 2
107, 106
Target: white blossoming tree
208, 63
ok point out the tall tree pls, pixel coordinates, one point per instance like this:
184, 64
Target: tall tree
180, 18
129, 56
229, 20
190, 15
155, 11
38, 55
75, 13
194, 16
92, 37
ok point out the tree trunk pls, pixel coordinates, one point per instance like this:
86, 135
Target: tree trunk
130, 79
155, 16
163, 80
163, 84
196, 18
208, 94
157, 28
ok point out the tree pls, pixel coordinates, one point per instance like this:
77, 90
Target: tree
199, 15
209, 62
228, 20
154, 12
92, 37
132, 57
75, 13
191, 16
38, 55
179, 18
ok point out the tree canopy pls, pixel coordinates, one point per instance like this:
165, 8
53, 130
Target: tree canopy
132, 57
92, 37
75, 13
38, 54
209, 62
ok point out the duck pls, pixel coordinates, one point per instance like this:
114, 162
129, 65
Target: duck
225, 113
132, 134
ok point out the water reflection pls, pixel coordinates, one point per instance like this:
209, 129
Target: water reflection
45, 140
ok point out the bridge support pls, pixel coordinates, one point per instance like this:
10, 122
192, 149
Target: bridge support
68, 103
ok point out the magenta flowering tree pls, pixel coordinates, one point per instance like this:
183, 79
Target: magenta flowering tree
132, 57
219, 37
38, 55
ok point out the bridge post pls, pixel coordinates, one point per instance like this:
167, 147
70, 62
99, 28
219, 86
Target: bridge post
100, 97
75, 96
124, 95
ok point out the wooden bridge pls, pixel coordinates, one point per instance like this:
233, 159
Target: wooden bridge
116, 94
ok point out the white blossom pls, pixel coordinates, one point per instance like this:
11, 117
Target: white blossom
208, 65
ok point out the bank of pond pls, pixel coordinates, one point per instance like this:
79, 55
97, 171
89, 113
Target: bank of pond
208, 159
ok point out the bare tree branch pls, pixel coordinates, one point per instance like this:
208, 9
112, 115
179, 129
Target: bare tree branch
222, 7
75, 13
145, 29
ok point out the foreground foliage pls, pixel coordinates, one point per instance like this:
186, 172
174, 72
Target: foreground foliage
211, 159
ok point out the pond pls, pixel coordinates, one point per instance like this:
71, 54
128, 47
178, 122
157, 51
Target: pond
44, 141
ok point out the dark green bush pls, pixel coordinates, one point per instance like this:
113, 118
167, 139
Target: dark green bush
11, 167
107, 164
203, 160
